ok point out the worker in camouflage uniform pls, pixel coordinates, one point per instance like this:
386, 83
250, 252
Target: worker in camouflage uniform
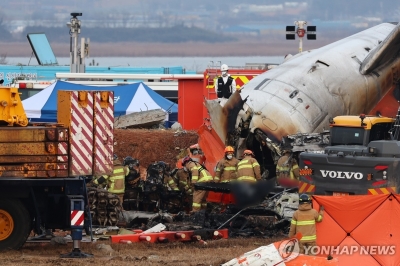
287, 170
303, 221
198, 174
116, 181
248, 169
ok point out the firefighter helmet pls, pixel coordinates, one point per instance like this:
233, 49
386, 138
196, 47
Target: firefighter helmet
224, 67
165, 166
229, 149
131, 162
186, 160
248, 152
304, 198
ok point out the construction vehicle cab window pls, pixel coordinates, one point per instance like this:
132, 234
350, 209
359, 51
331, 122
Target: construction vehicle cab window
353, 130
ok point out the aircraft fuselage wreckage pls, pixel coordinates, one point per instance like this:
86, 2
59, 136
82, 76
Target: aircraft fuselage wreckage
348, 77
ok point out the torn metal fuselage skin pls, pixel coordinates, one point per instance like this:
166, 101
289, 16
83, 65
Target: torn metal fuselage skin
347, 77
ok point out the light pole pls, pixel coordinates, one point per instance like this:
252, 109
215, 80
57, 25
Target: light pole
77, 60
300, 31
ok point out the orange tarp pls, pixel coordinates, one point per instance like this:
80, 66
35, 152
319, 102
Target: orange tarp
303, 260
349, 212
382, 228
333, 233
354, 258
368, 226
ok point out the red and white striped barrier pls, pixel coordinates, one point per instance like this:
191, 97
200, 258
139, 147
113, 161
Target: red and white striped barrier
103, 132
77, 218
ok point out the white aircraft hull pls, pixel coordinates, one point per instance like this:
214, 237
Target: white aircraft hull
347, 77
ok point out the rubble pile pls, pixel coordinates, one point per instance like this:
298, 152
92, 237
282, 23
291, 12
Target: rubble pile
265, 217
104, 207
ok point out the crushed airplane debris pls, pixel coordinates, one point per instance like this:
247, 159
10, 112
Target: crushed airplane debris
347, 77
253, 213
144, 119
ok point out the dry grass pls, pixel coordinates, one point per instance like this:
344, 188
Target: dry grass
141, 254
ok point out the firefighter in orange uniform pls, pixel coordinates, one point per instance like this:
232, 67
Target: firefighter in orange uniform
248, 169
303, 221
226, 168
198, 174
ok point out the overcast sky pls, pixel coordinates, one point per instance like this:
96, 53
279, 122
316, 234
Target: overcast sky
311, 9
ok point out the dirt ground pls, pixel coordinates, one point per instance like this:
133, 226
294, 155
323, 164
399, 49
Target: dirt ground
213, 253
150, 145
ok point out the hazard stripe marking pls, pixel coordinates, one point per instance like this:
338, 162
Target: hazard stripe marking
384, 191
61, 159
303, 187
103, 128
311, 188
81, 135
240, 80
77, 218
62, 148
381, 191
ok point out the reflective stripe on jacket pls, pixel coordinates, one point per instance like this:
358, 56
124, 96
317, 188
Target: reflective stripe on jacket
226, 170
248, 169
287, 168
171, 182
116, 181
199, 174
303, 221
183, 178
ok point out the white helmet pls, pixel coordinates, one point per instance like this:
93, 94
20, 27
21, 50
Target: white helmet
224, 67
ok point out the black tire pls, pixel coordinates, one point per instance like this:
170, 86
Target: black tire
14, 209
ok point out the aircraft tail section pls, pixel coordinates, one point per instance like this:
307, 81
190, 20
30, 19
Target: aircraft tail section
385, 52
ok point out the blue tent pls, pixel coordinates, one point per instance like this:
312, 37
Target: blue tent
129, 98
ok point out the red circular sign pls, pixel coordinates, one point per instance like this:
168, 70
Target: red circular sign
301, 32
